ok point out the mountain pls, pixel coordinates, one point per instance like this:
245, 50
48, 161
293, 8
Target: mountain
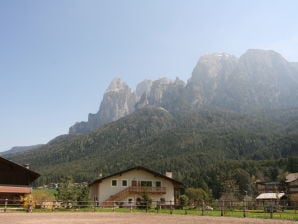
257, 80
210, 78
118, 101
17, 149
189, 144
235, 118
262, 80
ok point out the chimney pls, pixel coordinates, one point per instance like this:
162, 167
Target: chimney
27, 166
169, 174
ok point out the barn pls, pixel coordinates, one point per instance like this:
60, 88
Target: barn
15, 180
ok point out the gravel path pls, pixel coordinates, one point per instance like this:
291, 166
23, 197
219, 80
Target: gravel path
125, 218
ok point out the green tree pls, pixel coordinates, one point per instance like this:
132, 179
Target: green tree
183, 200
230, 190
69, 191
196, 194
243, 180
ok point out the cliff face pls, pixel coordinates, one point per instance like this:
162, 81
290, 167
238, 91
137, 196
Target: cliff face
209, 78
118, 101
258, 80
261, 80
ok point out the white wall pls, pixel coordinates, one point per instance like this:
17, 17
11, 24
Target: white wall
105, 189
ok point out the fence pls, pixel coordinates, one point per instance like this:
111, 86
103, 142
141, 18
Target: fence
254, 209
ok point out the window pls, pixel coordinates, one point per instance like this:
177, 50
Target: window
114, 183
146, 183
124, 183
130, 200
157, 184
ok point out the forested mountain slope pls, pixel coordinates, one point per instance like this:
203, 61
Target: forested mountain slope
195, 145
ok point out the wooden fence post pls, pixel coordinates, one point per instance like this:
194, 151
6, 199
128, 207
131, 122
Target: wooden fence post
29, 210
203, 207
5, 205
94, 205
244, 208
222, 208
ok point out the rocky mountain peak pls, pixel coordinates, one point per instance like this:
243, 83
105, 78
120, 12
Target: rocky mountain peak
211, 71
213, 65
117, 85
118, 101
143, 87
259, 79
263, 58
158, 89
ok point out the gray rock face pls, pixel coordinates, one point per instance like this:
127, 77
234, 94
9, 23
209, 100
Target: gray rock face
208, 77
258, 80
118, 101
157, 91
143, 87
261, 80
294, 66
142, 93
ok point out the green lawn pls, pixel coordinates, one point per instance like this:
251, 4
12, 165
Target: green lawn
285, 215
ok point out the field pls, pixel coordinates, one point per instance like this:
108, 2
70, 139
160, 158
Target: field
125, 218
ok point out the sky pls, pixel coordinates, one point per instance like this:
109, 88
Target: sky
57, 57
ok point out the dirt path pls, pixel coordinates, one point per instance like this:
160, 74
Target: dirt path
124, 218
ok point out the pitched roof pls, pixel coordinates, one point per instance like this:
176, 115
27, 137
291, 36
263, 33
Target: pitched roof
291, 177
14, 174
137, 168
268, 196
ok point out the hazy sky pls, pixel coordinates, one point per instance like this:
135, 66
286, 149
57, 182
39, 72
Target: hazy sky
57, 57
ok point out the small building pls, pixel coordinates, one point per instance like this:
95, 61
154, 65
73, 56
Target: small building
127, 187
271, 196
292, 187
15, 180
268, 187
272, 200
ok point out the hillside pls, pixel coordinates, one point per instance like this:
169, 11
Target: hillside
235, 119
17, 149
194, 145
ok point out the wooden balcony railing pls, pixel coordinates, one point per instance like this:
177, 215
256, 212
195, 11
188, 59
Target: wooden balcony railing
156, 190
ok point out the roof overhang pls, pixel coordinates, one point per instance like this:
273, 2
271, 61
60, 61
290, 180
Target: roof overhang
270, 196
138, 168
15, 189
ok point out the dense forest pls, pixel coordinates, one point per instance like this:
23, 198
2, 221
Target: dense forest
208, 149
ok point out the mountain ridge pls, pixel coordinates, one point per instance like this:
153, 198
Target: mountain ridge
227, 118
257, 80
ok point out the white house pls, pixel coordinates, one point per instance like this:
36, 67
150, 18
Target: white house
128, 186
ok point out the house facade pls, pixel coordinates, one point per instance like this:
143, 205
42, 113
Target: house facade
292, 187
269, 187
127, 188
15, 180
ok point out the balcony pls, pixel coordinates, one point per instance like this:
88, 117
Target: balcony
152, 190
